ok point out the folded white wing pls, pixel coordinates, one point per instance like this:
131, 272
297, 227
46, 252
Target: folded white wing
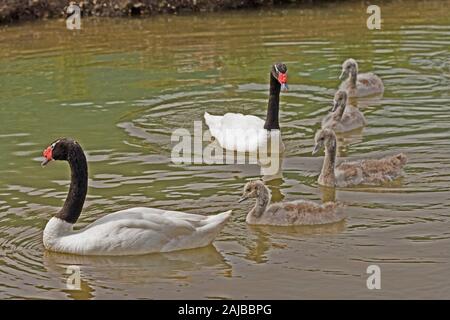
141, 231
235, 131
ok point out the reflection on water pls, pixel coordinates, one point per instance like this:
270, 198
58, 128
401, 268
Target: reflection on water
345, 141
122, 96
134, 270
328, 194
275, 186
271, 167
266, 235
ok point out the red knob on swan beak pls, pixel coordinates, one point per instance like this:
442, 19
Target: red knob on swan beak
48, 155
282, 79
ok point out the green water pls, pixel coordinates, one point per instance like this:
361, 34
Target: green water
121, 86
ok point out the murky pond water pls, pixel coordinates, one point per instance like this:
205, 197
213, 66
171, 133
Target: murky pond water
120, 87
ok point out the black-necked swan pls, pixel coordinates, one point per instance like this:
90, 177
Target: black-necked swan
359, 84
127, 232
366, 172
343, 117
293, 213
247, 133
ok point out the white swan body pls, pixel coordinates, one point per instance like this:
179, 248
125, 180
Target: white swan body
248, 133
127, 232
135, 231
235, 131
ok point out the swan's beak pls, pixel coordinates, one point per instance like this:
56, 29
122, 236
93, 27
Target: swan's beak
45, 162
242, 199
282, 79
343, 75
335, 105
317, 148
48, 156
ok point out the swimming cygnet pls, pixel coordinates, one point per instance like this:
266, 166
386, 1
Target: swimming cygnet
343, 117
359, 85
368, 172
293, 213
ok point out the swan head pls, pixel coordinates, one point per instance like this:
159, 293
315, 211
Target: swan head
340, 100
58, 150
252, 189
279, 72
324, 138
349, 67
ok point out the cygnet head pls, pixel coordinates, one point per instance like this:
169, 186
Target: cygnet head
324, 138
340, 100
252, 189
350, 66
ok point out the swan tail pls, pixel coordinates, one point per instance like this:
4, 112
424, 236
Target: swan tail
218, 219
214, 224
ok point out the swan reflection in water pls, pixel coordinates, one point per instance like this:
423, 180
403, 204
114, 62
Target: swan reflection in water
327, 193
365, 102
344, 140
269, 159
271, 165
266, 238
129, 270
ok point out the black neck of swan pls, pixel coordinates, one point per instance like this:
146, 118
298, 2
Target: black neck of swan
272, 122
78, 185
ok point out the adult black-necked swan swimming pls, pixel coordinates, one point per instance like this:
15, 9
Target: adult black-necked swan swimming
247, 133
127, 232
